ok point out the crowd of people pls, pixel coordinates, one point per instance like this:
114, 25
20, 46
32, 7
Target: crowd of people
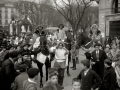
100, 69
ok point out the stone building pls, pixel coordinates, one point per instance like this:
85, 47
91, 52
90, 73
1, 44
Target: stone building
109, 17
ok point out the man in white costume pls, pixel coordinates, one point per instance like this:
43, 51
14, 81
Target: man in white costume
61, 61
61, 35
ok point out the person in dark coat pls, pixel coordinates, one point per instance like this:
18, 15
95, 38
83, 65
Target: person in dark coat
30, 83
98, 56
90, 80
52, 83
8, 73
109, 78
18, 83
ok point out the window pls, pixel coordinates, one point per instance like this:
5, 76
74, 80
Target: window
12, 10
0, 22
6, 22
6, 16
0, 15
117, 6
6, 10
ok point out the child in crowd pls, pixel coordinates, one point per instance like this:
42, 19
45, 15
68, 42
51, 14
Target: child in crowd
109, 79
30, 84
52, 83
88, 76
76, 84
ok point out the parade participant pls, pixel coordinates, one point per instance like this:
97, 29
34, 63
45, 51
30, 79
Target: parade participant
61, 35
98, 57
36, 39
68, 44
8, 73
109, 78
61, 61
88, 76
74, 53
52, 83
76, 84
30, 83
95, 34
18, 83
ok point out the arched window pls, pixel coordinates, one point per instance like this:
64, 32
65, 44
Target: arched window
116, 6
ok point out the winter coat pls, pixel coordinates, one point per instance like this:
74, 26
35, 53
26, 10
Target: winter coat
50, 86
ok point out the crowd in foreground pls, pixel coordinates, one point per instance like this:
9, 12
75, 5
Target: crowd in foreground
100, 69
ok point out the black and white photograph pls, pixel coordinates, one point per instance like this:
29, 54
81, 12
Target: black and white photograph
59, 44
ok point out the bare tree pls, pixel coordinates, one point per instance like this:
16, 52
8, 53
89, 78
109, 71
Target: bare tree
90, 17
73, 11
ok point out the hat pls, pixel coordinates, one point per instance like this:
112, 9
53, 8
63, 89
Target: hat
25, 53
97, 44
108, 61
52, 72
13, 54
36, 32
22, 67
86, 62
32, 72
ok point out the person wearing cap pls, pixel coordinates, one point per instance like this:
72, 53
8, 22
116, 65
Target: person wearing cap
8, 72
61, 61
25, 60
61, 35
52, 83
88, 76
30, 83
109, 78
18, 82
97, 60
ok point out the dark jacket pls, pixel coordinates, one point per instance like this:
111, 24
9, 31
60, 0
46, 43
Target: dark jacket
87, 82
109, 79
29, 85
18, 83
50, 86
99, 66
8, 75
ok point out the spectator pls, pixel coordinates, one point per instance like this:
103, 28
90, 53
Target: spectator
76, 84
109, 79
88, 76
18, 83
8, 73
30, 84
52, 83
98, 57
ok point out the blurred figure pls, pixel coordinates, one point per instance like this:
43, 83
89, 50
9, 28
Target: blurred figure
52, 83
76, 84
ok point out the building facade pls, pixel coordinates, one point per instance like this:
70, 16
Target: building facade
7, 11
109, 17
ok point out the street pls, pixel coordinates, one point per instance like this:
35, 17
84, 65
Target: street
67, 80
